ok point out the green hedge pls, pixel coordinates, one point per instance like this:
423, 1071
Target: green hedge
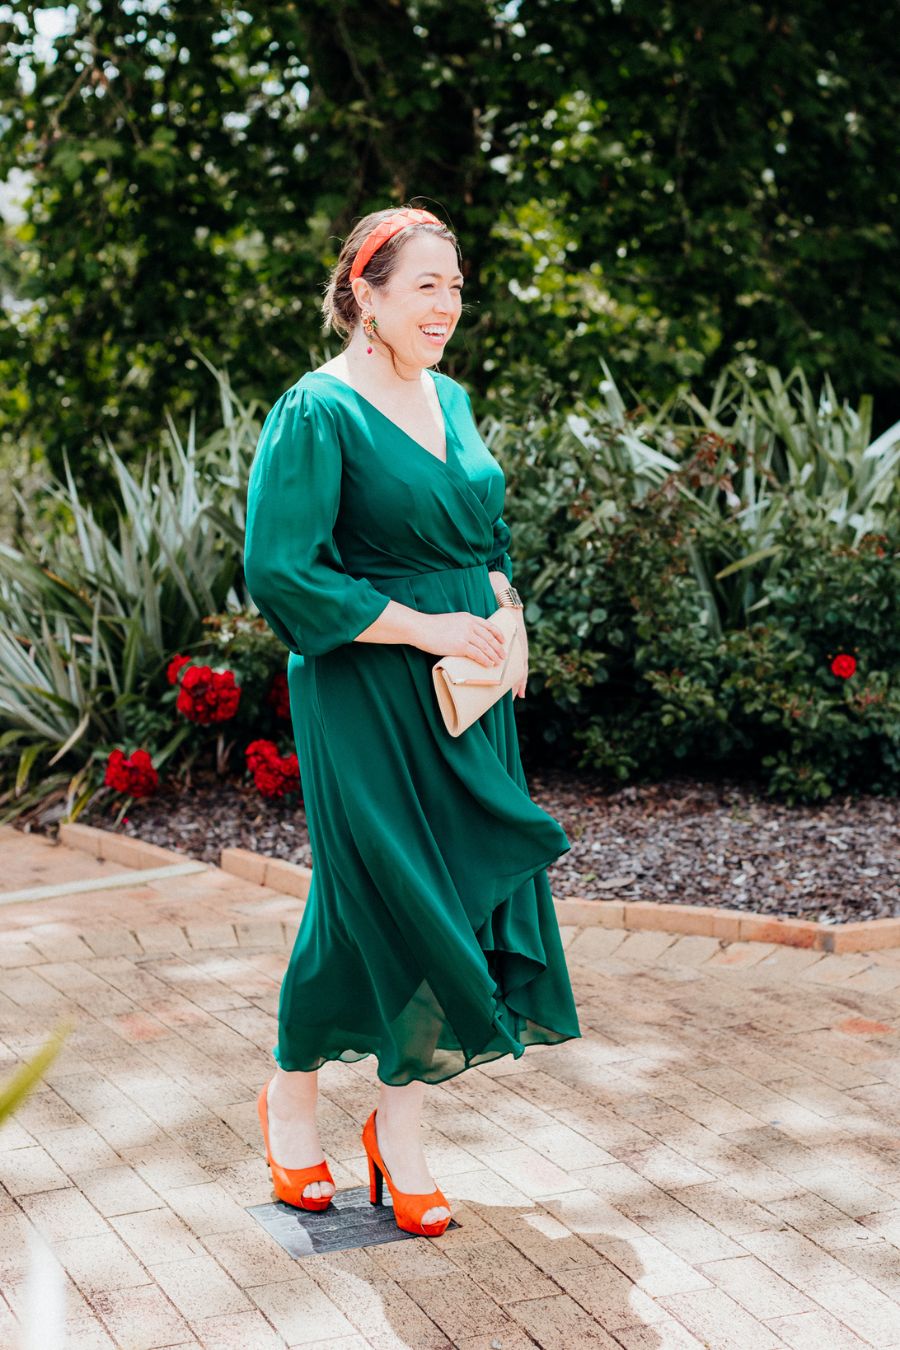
690, 573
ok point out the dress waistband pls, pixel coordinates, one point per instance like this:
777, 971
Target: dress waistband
430, 572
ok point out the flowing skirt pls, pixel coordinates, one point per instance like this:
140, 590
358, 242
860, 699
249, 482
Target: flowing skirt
429, 937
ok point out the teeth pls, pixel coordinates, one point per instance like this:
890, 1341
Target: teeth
435, 332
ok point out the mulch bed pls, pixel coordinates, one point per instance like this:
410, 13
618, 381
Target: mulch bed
681, 841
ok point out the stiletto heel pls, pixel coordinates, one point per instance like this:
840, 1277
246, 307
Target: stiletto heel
288, 1182
408, 1207
376, 1183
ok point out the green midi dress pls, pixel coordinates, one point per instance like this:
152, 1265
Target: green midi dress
429, 937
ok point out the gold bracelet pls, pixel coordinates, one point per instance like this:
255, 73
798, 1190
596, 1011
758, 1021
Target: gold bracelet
509, 598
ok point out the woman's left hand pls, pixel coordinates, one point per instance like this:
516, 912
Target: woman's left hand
519, 691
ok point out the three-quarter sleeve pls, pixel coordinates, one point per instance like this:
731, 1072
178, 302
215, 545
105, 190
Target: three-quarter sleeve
292, 566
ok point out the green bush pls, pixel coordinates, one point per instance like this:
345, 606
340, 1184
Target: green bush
690, 574
688, 584
92, 611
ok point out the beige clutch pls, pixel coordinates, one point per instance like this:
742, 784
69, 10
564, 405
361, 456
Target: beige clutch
466, 689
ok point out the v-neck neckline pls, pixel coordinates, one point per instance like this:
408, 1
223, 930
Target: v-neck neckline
444, 463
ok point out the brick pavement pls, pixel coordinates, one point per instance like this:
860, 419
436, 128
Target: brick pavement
716, 1163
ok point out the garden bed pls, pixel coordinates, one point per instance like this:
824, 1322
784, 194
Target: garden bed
680, 841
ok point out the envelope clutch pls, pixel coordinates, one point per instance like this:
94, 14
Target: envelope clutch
465, 689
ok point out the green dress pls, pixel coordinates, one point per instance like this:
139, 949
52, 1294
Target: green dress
429, 937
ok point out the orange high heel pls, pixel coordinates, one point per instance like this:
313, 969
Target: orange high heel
288, 1183
408, 1207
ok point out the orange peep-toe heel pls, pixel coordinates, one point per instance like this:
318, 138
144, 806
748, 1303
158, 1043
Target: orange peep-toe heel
408, 1207
288, 1182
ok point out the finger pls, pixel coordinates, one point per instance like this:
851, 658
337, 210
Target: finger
496, 649
483, 653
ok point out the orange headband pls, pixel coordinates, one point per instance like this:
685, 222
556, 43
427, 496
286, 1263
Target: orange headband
400, 220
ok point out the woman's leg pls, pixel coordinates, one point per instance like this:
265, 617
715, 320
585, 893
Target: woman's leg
293, 1132
397, 1123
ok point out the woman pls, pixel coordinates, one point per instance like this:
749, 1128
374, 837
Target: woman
375, 544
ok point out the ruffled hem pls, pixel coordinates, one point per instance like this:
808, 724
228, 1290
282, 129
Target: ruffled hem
429, 937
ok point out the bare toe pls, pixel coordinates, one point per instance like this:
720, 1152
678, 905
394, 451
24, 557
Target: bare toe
317, 1190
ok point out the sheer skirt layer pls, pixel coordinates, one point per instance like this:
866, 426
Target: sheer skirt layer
429, 937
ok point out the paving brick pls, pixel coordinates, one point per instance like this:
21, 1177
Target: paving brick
646, 1261
876, 979
502, 1272
558, 1323
199, 1288
379, 1307
100, 1262
756, 1288
456, 1307
301, 1312
739, 955
288, 878
709, 1164
815, 1331
857, 1304
250, 1256
795, 1258
243, 862
141, 1318
512, 1339
63, 1214
644, 947
79, 1147
667, 1335
23, 1171
690, 951
718, 1321
531, 1173
835, 969
156, 1235
116, 1190
207, 1209
238, 1331
610, 1297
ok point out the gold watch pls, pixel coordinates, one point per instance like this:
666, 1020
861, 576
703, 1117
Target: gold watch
510, 598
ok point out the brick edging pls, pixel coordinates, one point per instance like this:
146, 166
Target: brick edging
729, 925
112, 846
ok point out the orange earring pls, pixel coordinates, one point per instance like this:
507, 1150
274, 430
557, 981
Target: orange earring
370, 326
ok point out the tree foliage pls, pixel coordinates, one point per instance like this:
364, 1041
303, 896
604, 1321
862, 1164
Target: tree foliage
665, 186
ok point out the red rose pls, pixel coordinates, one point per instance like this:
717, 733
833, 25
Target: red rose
175, 666
273, 774
135, 776
260, 752
843, 665
208, 695
278, 695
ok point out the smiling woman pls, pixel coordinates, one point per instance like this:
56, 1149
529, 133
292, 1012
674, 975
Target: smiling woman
375, 543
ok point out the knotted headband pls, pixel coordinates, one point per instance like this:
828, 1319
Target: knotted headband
385, 230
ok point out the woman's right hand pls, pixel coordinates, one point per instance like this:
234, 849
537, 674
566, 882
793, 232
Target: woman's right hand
461, 634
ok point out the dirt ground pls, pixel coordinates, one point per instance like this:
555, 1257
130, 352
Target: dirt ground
681, 841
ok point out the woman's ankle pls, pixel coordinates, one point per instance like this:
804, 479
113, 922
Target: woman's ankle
294, 1092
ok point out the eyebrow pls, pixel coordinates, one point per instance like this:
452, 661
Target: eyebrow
438, 275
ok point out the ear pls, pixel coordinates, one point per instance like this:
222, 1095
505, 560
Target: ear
362, 292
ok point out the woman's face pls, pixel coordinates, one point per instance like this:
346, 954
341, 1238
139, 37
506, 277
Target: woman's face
424, 293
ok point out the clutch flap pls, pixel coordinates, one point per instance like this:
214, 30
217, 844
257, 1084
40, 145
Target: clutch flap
466, 670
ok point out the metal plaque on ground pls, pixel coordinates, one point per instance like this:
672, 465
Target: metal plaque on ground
351, 1220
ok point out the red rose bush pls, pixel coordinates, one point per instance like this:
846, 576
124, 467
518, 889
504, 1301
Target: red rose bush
273, 774
134, 776
207, 695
